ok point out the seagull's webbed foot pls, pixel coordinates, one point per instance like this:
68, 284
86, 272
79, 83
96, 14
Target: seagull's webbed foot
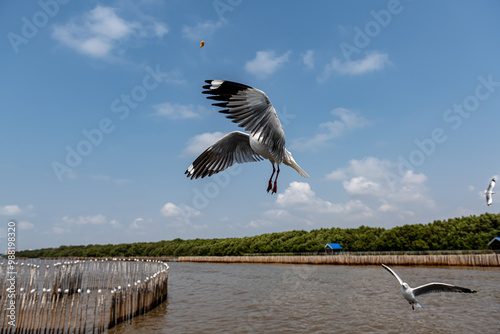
270, 186
275, 188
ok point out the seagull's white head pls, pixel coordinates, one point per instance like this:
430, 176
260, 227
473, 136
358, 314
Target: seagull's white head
405, 285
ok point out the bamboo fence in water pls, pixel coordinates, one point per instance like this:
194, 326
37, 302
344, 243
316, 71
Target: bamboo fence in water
480, 260
45, 296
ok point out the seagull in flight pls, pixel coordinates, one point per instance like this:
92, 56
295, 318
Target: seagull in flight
253, 110
410, 294
488, 192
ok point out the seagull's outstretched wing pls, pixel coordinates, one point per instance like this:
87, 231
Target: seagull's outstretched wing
232, 148
393, 273
491, 185
440, 287
252, 109
489, 199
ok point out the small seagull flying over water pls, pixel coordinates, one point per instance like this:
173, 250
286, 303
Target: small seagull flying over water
410, 294
253, 110
488, 192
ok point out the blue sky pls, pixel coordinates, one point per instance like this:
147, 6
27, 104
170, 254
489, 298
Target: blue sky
391, 107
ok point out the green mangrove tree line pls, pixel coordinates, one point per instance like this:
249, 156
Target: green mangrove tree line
465, 233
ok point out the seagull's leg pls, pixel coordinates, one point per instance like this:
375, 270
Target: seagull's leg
270, 186
412, 306
275, 188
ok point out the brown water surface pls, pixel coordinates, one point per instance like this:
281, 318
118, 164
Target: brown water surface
278, 298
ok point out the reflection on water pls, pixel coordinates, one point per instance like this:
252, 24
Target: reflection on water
275, 298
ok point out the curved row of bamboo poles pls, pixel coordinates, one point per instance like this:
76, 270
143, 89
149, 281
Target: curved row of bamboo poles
480, 260
78, 296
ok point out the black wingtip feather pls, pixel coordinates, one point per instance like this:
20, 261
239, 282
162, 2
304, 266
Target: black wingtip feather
226, 87
219, 97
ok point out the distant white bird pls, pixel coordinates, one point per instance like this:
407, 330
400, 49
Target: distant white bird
410, 294
253, 110
488, 192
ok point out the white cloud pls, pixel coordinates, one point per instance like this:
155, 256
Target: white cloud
374, 178
175, 77
299, 196
373, 61
201, 31
370, 167
183, 212
265, 63
308, 59
276, 214
101, 31
104, 21
137, 223
386, 207
10, 210
180, 217
360, 185
179, 111
258, 223
200, 143
115, 223
349, 120
372, 200
160, 29
170, 209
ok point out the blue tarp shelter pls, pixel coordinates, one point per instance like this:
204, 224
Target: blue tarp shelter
331, 248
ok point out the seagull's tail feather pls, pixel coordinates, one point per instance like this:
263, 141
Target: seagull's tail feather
289, 161
420, 305
298, 169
